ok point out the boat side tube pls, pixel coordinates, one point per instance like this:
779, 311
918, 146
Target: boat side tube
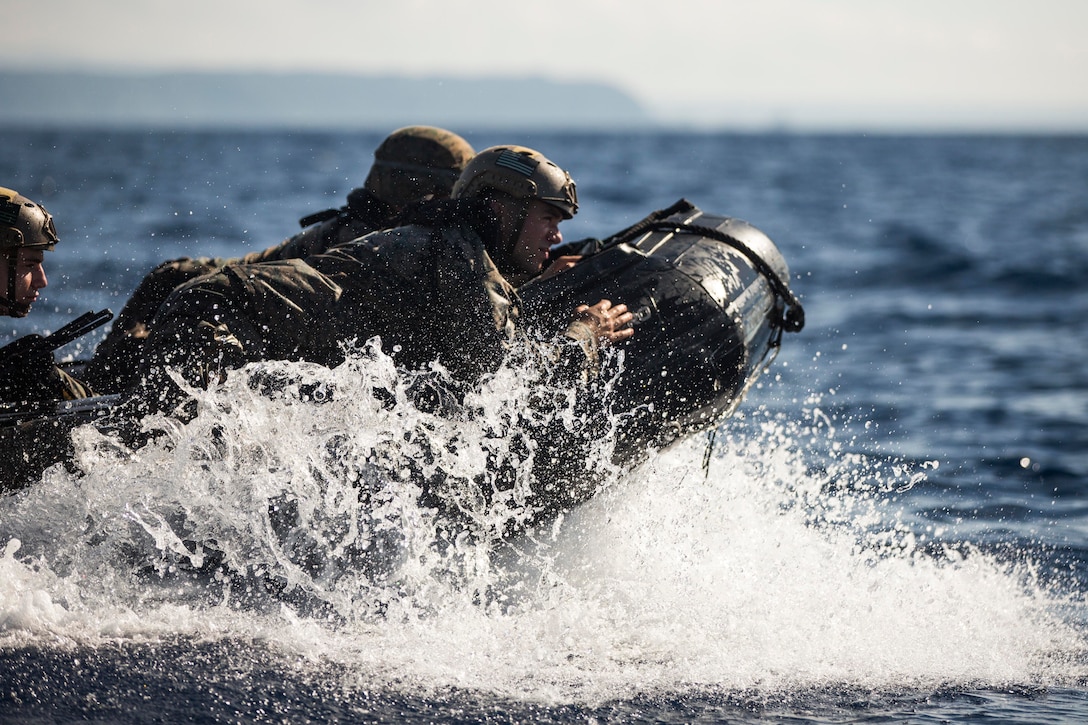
710, 299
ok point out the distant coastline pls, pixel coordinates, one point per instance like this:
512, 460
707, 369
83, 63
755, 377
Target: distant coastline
308, 100
191, 100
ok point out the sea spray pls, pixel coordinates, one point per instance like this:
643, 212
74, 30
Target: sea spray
349, 490
291, 512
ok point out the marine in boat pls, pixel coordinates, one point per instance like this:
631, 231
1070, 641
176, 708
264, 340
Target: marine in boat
711, 301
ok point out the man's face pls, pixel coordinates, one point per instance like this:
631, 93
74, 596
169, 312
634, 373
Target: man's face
29, 277
539, 233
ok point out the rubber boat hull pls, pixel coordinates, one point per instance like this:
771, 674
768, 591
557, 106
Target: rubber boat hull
710, 298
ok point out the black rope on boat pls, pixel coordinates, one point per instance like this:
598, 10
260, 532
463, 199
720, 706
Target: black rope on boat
711, 438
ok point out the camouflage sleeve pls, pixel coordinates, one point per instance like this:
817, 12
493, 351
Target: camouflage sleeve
241, 314
70, 387
582, 351
289, 304
153, 290
119, 353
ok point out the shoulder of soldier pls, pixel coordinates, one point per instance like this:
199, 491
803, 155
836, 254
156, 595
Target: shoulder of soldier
405, 239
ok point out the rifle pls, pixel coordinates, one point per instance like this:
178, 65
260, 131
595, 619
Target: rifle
36, 347
75, 411
29, 345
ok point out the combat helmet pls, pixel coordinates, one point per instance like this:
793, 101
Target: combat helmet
521, 173
415, 162
24, 224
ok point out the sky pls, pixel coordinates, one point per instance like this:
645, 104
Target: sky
1018, 64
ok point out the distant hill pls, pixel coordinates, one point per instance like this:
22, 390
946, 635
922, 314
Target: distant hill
308, 100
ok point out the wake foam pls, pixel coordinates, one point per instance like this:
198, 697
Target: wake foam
294, 510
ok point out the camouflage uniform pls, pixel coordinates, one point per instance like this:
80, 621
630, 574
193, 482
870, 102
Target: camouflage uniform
118, 356
429, 290
411, 164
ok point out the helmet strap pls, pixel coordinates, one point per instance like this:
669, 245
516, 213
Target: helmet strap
8, 304
516, 212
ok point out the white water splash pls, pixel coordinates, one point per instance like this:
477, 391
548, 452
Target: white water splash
757, 573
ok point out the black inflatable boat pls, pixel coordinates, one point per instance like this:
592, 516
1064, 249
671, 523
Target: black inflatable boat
711, 300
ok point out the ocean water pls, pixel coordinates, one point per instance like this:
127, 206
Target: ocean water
893, 527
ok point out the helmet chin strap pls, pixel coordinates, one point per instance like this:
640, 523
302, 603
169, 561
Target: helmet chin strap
519, 209
13, 309
8, 304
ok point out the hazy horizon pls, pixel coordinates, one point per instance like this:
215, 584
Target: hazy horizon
90, 97
975, 65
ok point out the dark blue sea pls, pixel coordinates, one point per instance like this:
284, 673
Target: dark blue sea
893, 526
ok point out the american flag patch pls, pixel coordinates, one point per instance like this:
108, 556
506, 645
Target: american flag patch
521, 164
9, 212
